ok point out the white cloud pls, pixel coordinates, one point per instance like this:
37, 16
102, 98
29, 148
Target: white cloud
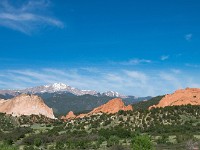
188, 37
138, 61
141, 77
164, 57
171, 80
134, 61
28, 17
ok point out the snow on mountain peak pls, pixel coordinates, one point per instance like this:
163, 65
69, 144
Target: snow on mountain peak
59, 86
113, 94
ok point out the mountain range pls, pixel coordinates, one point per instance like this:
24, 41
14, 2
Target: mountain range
29, 104
64, 98
60, 87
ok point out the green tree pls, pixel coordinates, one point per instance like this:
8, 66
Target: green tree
142, 142
37, 142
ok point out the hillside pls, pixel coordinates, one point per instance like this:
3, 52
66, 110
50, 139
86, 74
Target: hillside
180, 97
155, 121
169, 128
65, 102
144, 105
112, 106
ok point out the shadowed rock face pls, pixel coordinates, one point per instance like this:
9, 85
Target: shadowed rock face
26, 105
111, 107
180, 97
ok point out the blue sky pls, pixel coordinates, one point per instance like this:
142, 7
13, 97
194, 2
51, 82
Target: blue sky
134, 47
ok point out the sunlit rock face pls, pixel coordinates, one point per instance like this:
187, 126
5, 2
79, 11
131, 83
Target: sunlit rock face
70, 115
180, 97
111, 107
26, 105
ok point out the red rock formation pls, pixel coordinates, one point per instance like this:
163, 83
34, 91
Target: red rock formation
180, 97
82, 115
70, 115
26, 105
111, 107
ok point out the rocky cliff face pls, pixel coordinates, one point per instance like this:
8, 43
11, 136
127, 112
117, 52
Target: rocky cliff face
26, 105
111, 107
180, 97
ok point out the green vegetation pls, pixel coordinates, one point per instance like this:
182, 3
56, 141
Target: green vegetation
142, 142
7, 147
6, 122
65, 102
176, 127
144, 105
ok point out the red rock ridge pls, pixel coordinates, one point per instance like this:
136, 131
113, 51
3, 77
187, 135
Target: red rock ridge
180, 97
111, 107
26, 105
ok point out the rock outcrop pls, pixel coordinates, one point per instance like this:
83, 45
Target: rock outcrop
26, 105
180, 97
70, 115
111, 107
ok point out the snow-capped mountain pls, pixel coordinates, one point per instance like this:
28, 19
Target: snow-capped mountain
113, 94
64, 98
60, 87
